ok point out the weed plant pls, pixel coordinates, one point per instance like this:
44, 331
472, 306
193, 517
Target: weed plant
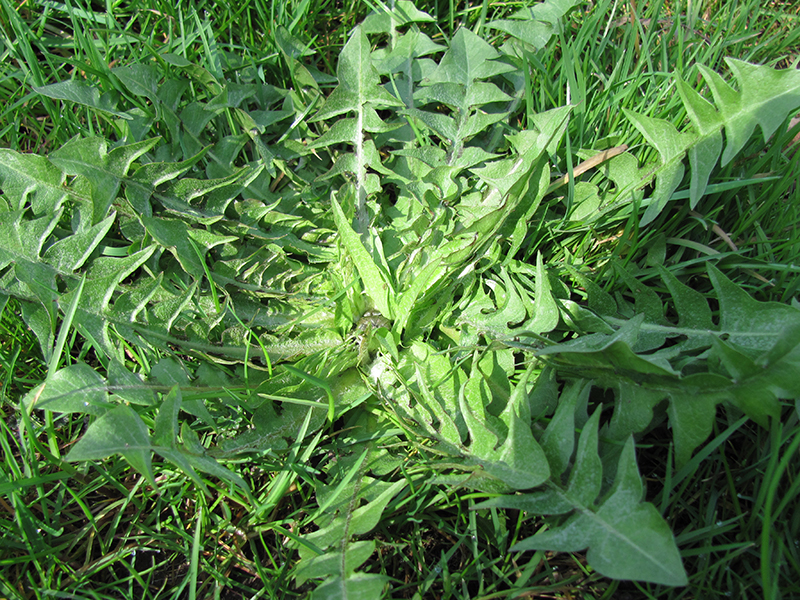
409, 300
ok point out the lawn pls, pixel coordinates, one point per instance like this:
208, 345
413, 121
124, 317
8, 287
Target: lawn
407, 300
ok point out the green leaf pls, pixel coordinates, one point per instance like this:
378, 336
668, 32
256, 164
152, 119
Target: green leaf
358, 81
402, 56
766, 97
509, 313
545, 310
105, 170
195, 455
41, 322
747, 322
102, 279
70, 253
74, 389
647, 303
459, 97
437, 407
691, 305
504, 174
586, 476
140, 79
359, 91
30, 178
558, 440
442, 125
454, 410
402, 13
535, 24
165, 432
626, 362
598, 299
377, 285
519, 462
30, 280
362, 520
633, 412
118, 431
128, 386
177, 236
21, 242
671, 146
82, 93
692, 406
626, 538
142, 185
359, 586
468, 58
410, 298
330, 563
704, 154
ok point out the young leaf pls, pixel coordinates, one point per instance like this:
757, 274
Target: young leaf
377, 285
358, 92
451, 409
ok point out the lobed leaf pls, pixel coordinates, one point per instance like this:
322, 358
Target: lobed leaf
750, 342
535, 24
626, 538
104, 169
402, 13
27, 177
766, 98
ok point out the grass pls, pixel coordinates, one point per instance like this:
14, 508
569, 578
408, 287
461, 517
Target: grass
99, 530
